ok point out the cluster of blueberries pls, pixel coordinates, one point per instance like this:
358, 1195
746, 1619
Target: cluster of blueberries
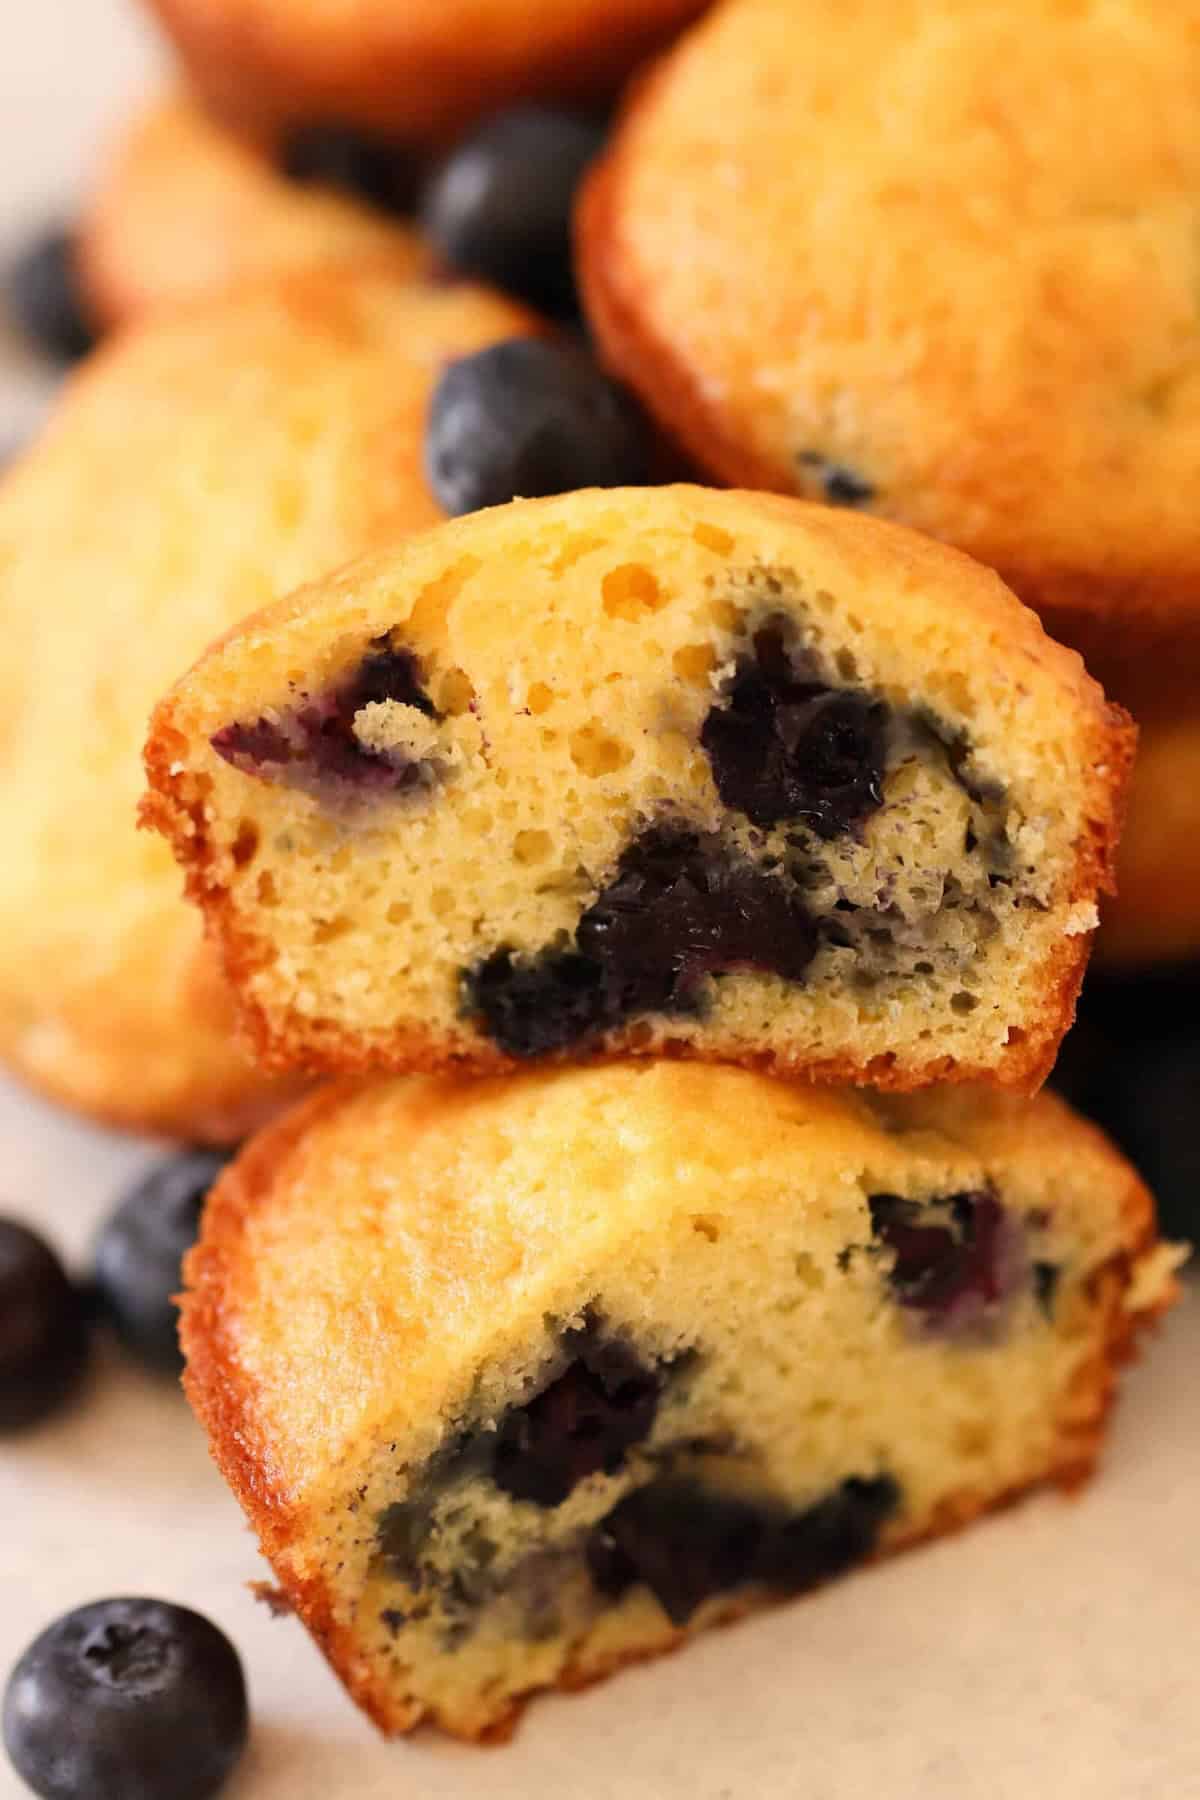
125, 1699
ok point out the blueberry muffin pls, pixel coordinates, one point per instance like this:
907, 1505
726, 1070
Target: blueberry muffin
408, 67
196, 467
1154, 917
656, 770
519, 1380
935, 259
186, 208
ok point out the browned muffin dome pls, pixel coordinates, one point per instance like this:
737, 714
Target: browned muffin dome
936, 259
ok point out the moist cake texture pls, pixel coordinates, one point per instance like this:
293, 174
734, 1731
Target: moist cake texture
520, 1379
710, 773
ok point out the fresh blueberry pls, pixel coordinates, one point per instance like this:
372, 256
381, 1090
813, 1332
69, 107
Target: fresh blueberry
43, 1329
371, 168
784, 746
525, 418
127, 1700
140, 1251
45, 300
499, 208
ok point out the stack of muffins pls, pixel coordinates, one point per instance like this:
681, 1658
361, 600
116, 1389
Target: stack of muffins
686, 890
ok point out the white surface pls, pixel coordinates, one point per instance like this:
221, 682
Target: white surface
1049, 1652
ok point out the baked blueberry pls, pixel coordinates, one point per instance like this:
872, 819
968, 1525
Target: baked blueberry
499, 208
784, 746
45, 299
841, 485
677, 910
127, 1699
956, 1261
140, 1250
583, 1422
527, 418
688, 1543
316, 745
43, 1328
361, 163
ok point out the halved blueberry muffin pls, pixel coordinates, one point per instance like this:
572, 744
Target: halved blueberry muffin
518, 1380
651, 771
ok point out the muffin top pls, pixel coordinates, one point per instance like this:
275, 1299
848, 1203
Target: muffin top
939, 259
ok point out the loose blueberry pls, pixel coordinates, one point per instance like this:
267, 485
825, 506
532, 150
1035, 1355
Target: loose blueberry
127, 1699
785, 747
688, 1543
141, 1248
499, 208
43, 1329
603, 1403
957, 1260
45, 300
371, 168
314, 746
678, 910
525, 418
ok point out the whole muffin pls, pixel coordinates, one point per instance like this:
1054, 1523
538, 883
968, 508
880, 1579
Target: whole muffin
936, 259
186, 208
197, 466
518, 1380
410, 67
655, 770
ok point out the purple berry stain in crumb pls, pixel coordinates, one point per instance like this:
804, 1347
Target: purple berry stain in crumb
787, 748
679, 908
315, 746
687, 1542
958, 1262
582, 1424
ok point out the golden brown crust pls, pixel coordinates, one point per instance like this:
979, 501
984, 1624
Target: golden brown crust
231, 1405
1089, 530
408, 68
187, 209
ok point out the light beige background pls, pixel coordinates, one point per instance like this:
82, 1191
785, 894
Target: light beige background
1051, 1654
